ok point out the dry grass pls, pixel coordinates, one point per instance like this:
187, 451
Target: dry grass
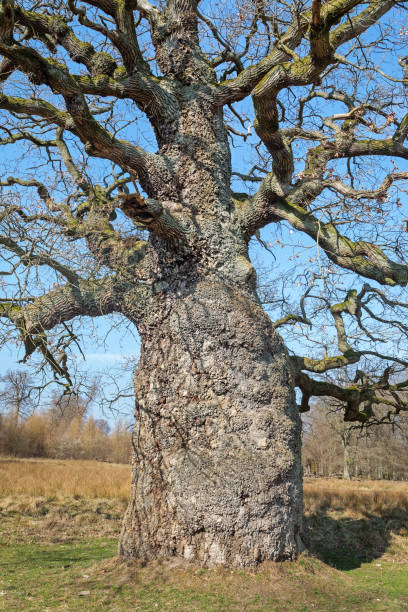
51, 520
384, 498
233, 590
96, 480
59, 523
57, 478
61, 500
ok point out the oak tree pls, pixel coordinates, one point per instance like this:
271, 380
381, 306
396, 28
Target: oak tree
126, 196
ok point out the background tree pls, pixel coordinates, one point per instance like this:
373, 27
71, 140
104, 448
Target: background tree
17, 402
17, 394
70, 434
150, 223
374, 452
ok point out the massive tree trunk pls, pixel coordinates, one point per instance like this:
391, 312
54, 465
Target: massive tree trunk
216, 467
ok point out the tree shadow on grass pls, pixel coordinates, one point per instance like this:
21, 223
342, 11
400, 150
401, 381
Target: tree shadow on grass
346, 543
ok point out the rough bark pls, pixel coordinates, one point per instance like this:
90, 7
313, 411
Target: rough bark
216, 469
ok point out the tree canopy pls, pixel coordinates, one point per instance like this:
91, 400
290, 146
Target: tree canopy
96, 172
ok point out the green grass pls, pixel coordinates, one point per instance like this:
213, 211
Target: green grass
389, 580
37, 577
41, 577
59, 553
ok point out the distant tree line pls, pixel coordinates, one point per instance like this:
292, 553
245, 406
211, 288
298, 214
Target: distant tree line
62, 430
334, 447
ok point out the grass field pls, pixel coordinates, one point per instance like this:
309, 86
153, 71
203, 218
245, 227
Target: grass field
59, 523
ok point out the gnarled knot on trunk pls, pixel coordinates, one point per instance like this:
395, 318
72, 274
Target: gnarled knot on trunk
162, 218
138, 208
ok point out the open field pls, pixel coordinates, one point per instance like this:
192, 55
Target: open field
55, 477
59, 522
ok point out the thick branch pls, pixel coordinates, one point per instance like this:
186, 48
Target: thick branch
38, 315
277, 70
86, 298
155, 216
367, 259
176, 40
361, 22
258, 211
135, 83
98, 141
359, 400
55, 31
298, 72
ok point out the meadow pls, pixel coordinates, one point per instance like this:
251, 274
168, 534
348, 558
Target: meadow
59, 523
